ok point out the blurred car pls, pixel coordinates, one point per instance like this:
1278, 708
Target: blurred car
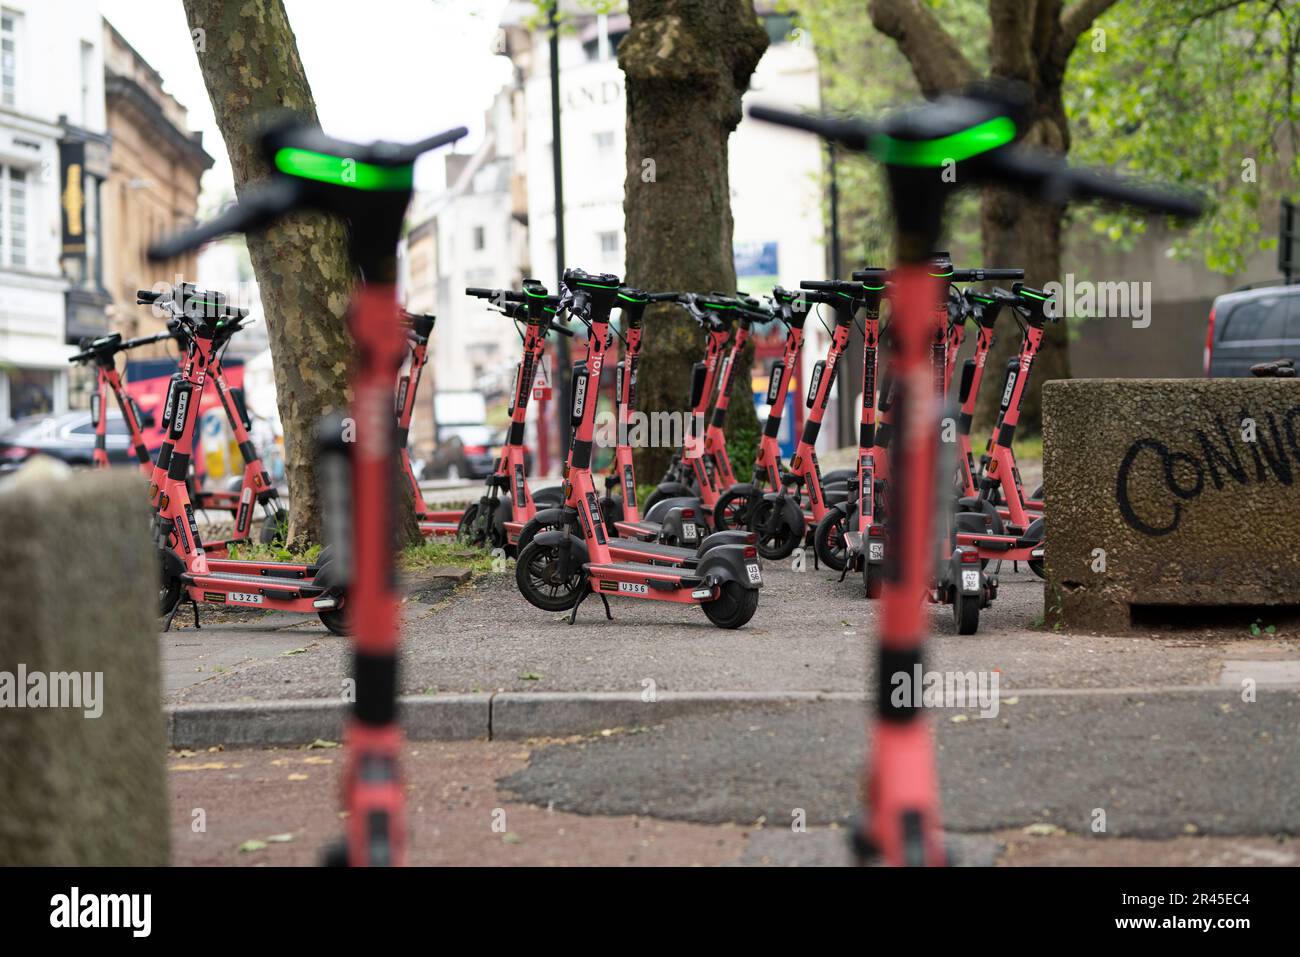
69, 437
1252, 326
463, 452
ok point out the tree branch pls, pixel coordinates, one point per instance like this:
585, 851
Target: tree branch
1078, 17
930, 50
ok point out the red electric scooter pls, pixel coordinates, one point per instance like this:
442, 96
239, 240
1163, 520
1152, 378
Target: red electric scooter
103, 353
495, 520
625, 535
418, 329
255, 488
918, 147
370, 186
557, 570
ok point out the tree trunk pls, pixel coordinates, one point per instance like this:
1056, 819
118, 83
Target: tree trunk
686, 62
250, 64
1030, 43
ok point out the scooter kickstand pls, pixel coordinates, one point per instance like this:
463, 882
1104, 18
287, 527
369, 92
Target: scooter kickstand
171, 615
608, 614
582, 596
195, 605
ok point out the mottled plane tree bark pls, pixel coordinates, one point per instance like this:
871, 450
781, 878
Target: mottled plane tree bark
686, 63
250, 64
1030, 41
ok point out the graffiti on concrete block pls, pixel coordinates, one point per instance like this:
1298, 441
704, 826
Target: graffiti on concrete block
1207, 459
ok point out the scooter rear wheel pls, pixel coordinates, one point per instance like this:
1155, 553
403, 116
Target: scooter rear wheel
335, 619
965, 613
733, 607
873, 578
537, 574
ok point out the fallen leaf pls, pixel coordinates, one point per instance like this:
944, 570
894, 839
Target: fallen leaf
252, 845
322, 743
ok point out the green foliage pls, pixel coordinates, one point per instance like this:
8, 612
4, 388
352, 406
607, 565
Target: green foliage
255, 552
438, 552
862, 72
1193, 91
742, 447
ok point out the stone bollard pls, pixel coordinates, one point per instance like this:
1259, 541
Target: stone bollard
1169, 493
82, 732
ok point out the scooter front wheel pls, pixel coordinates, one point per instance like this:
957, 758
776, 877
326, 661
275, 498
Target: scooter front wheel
275, 530
537, 573
731, 511
466, 532
828, 540
733, 607
778, 542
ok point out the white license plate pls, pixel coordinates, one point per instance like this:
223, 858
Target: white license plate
970, 581
876, 551
243, 598
688, 532
632, 588
755, 576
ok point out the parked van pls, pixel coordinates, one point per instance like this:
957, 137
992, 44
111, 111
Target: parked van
1252, 326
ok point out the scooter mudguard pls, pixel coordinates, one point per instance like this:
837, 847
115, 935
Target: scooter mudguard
666, 490
1034, 533
551, 495
727, 563
680, 529
555, 537
500, 515
717, 539
790, 510
546, 519
965, 577
661, 508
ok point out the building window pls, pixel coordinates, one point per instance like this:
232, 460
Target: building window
609, 242
87, 72
31, 392
13, 217
480, 238
8, 58
604, 141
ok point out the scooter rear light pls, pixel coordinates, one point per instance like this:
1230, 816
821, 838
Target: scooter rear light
688, 513
750, 551
970, 558
875, 529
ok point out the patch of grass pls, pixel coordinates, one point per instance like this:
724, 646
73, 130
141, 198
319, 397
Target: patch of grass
430, 553
1028, 448
433, 552
256, 552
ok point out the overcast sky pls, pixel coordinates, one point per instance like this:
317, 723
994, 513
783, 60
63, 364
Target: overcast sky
383, 69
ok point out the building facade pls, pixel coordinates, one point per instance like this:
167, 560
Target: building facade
53, 162
156, 166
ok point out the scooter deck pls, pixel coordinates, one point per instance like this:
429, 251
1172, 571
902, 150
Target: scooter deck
222, 580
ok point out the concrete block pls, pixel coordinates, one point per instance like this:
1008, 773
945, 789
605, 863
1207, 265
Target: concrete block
1169, 492
78, 595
